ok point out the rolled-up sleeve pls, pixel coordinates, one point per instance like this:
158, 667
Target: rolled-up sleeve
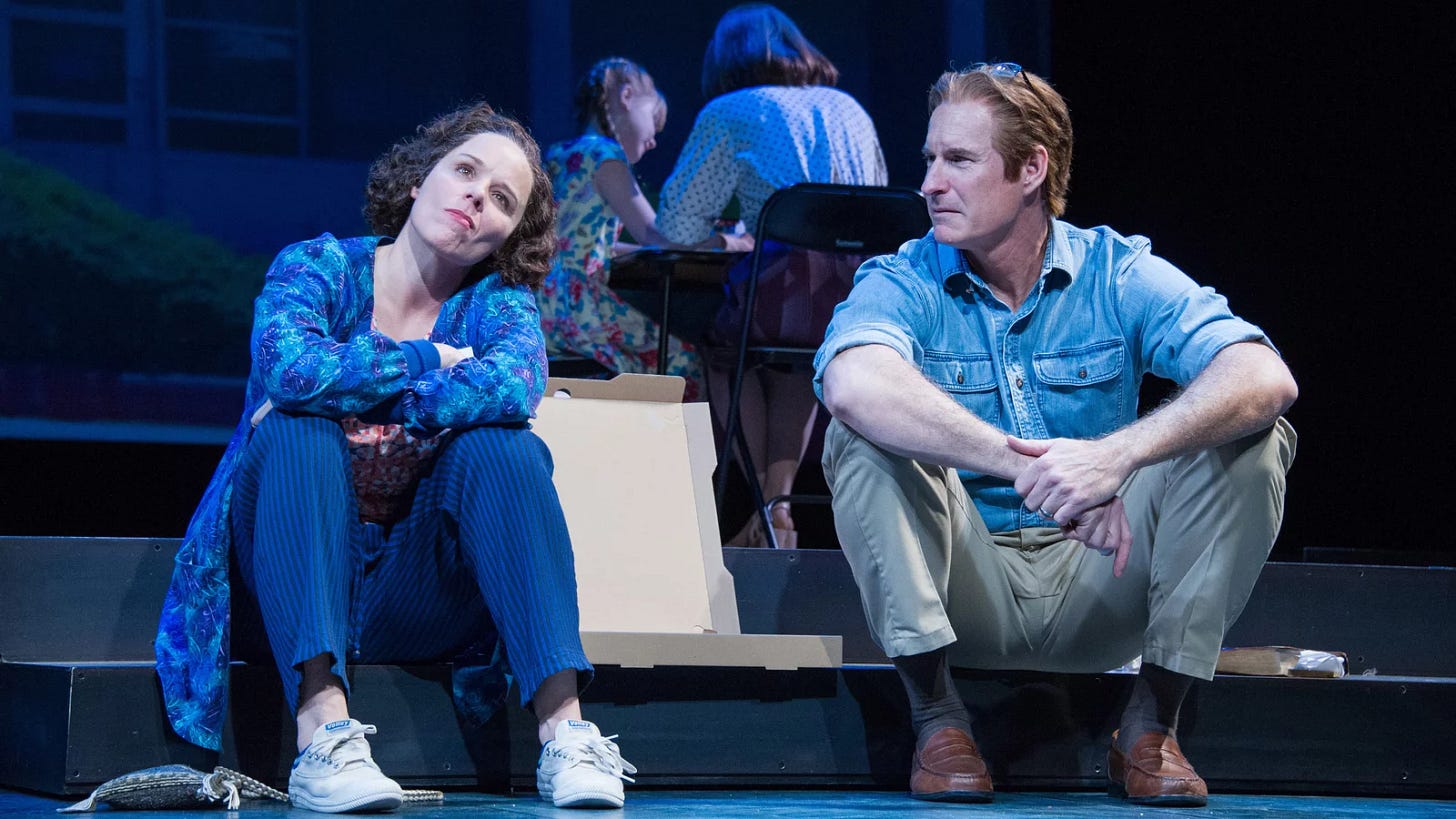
501, 383
1180, 325
891, 304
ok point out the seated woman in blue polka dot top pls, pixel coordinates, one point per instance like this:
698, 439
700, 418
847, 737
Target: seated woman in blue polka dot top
773, 119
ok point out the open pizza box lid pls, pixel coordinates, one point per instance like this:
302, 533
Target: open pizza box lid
634, 469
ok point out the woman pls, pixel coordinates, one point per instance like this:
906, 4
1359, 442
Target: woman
382, 499
773, 119
620, 112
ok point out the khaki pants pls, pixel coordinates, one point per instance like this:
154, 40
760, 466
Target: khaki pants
931, 575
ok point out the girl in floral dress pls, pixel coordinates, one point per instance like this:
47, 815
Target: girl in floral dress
620, 113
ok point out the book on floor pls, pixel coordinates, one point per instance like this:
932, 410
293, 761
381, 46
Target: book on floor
1281, 661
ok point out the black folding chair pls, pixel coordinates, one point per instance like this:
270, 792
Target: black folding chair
848, 219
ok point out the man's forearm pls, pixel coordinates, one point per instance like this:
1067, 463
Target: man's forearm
886, 400
1244, 389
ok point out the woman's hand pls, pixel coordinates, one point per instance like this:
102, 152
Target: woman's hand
729, 242
450, 356
737, 242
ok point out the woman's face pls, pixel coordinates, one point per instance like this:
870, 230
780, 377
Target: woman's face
636, 120
473, 199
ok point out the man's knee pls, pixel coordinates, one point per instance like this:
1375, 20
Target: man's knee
836, 438
846, 453
1263, 455
854, 462
1281, 441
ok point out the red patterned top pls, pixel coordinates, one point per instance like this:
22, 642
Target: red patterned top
388, 462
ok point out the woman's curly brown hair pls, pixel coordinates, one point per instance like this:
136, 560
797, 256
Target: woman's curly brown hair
526, 256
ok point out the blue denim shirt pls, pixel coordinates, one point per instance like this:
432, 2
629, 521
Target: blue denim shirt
1067, 364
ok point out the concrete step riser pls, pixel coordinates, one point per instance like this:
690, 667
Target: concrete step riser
81, 599
753, 728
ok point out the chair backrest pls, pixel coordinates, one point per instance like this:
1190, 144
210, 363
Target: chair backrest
840, 225
846, 222
844, 218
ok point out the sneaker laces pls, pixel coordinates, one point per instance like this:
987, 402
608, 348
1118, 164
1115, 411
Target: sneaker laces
345, 748
604, 755
349, 752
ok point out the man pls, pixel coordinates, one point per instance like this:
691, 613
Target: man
999, 501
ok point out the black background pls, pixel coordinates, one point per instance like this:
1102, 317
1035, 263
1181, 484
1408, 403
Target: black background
1290, 156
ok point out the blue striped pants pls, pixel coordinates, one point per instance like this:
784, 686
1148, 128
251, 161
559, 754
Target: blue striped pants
483, 552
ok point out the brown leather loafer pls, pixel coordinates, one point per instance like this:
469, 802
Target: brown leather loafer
1155, 772
949, 768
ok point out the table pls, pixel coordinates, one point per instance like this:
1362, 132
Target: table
648, 267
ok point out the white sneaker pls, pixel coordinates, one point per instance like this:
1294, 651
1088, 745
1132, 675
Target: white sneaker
581, 768
336, 774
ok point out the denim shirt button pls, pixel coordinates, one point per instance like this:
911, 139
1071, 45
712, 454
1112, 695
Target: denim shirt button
1018, 382
1082, 373
960, 377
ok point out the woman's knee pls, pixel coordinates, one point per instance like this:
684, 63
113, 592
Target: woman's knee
295, 457
501, 451
299, 435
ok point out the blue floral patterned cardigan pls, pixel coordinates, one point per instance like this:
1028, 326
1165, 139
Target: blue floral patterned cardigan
314, 352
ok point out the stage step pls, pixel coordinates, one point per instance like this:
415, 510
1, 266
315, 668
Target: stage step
79, 701
71, 727
90, 599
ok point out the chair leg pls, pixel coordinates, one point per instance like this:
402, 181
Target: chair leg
731, 434
755, 490
734, 430
769, 504
736, 441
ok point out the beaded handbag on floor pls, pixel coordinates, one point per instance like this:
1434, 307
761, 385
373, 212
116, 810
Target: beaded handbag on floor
169, 787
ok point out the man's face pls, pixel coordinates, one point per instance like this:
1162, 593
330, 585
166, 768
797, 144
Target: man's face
972, 204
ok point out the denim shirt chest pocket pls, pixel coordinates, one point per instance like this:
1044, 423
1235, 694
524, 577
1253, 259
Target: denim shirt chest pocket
969, 378
1081, 390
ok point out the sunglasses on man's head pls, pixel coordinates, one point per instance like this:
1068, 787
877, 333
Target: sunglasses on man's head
1007, 71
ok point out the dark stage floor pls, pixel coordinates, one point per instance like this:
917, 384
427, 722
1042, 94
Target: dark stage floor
833, 804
